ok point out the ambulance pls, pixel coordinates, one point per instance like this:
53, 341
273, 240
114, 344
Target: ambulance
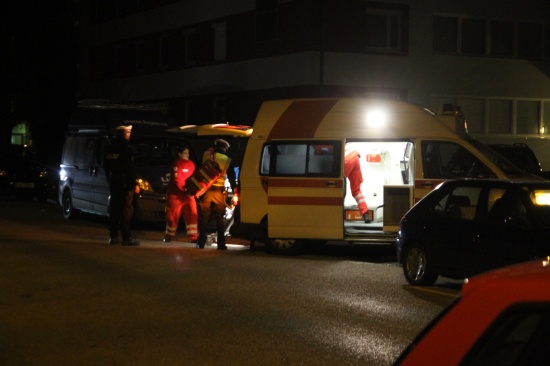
293, 188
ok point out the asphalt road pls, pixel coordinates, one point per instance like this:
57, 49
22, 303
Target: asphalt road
70, 298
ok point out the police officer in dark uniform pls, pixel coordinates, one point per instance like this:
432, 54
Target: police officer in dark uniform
215, 198
120, 172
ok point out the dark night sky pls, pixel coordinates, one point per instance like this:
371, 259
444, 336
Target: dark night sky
41, 69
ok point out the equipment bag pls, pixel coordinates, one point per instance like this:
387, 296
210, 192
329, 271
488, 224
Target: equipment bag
203, 178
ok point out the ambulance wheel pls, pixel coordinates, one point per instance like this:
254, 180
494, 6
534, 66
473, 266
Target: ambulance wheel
284, 246
69, 212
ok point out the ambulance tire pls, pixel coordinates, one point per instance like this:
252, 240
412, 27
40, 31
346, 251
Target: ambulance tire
284, 246
280, 246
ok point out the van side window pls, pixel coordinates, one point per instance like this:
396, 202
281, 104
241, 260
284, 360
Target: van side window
449, 160
319, 159
79, 151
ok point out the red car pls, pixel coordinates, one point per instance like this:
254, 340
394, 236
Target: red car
502, 317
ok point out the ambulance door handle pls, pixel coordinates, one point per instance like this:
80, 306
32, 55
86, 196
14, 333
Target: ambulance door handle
427, 184
331, 184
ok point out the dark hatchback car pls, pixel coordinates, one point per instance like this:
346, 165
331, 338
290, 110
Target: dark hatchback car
465, 227
23, 174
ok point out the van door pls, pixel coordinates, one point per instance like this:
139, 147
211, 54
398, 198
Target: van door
305, 189
101, 192
82, 157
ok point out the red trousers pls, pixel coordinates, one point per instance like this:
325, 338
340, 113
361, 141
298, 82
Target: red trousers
176, 204
352, 170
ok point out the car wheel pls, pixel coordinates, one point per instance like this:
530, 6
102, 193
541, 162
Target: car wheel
69, 212
416, 266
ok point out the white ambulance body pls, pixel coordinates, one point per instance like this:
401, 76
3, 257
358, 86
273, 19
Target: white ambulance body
292, 182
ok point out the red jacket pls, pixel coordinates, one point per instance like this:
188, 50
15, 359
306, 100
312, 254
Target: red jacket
181, 170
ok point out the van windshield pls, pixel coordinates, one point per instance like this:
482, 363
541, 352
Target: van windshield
505, 165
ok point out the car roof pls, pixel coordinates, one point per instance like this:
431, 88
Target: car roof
483, 298
514, 281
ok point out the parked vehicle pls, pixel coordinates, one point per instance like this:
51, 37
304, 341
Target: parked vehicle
465, 227
520, 155
24, 174
83, 185
293, 187
502, 318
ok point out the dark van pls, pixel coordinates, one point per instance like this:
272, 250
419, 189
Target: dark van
83, 185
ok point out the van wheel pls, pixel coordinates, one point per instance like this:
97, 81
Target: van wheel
417, 266
69, 212
284, 246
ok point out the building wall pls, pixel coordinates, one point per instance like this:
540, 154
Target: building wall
321, 48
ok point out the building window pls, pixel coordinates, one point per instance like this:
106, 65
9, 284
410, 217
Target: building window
171, 50
527, 115
472, 40
147, 54
267, 19
383, 29
502, 38
220, 110
500, 116
529, 40
445, 34
220, 41
545, 128
190, 41
475, 114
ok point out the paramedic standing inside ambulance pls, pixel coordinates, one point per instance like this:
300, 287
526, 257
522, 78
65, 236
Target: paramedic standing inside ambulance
352, 170
178, 202
215, 198
120, 172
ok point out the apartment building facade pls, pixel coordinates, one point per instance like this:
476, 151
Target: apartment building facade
217, 60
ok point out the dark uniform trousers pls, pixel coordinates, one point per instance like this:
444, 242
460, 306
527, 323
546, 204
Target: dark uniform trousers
214, 199
121, 209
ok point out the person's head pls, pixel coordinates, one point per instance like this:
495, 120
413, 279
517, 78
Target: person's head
124, 131
221, 145
183, 152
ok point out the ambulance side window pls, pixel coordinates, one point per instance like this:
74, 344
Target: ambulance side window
291, 159
319, 159
265, 163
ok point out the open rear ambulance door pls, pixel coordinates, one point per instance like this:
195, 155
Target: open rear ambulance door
306, 191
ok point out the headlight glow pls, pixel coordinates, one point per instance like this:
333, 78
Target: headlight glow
144, 185
542, 198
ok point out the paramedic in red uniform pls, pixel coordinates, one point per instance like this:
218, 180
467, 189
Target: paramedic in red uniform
215, 198
178, 202
352, 170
